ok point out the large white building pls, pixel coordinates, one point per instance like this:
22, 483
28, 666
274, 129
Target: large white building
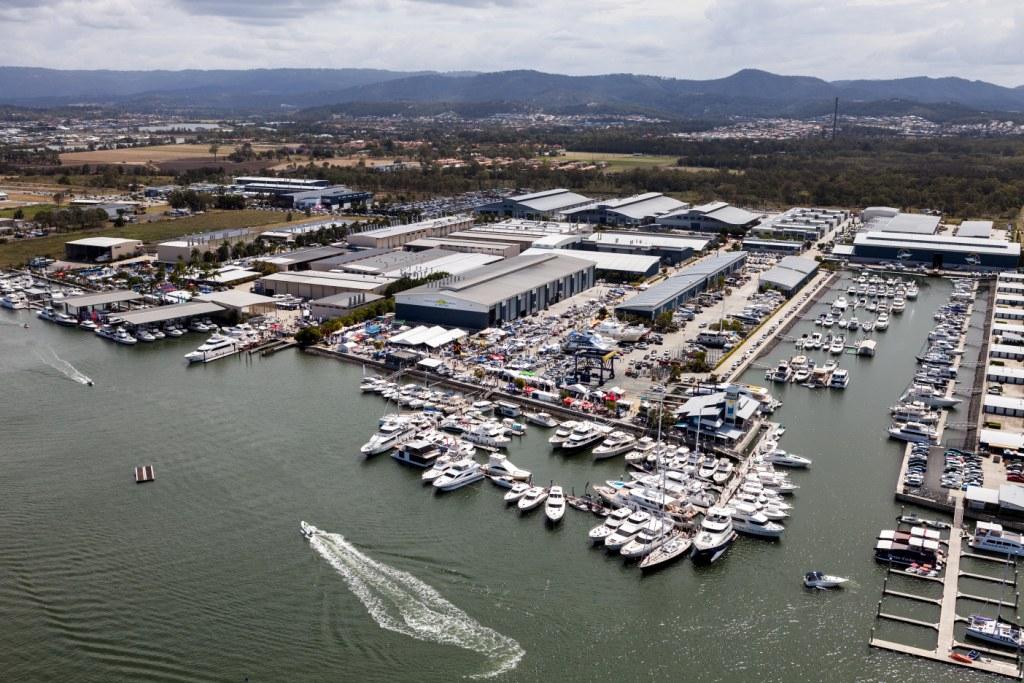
536, 205
639, 209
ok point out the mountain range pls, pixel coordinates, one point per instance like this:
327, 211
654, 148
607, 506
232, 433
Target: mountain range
749, 92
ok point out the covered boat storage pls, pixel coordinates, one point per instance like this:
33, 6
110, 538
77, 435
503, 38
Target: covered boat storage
1004, 375
1004, 405
434, 337
162, 314
118, 299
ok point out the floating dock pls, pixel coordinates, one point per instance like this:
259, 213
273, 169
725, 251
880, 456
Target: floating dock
144, 474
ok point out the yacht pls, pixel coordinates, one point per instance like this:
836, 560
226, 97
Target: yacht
14, 301
715, 536
930, 396
837, 345
144, 335
882, 321
914, 432
802, 375
584, 435
586, 341
436, 468
562, 434
997, 631
488, 434
541, 420
518, 490
610, 524
499, 466
823, 581
614, 444
55, 316
173, 331
212, 349
840, 378
783, 459
724, 471
417, 452
620, 332
912, 291
122, 337
88, 324
707, 468
532, 498
781, 373
627, 531
390, 434
157, 333
460, 473
198, 326
898, 305
370, 385
840, 304
554, 506
746, 519
993, 538
650, 538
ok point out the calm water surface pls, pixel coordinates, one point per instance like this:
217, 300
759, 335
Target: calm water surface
203, 576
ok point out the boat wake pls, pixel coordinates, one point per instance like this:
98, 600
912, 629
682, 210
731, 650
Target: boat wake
400, 602
63, 367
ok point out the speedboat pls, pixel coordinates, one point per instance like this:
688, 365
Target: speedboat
541, 420
823, 581
308, 530
499, 466
783, 459
532, 498
554, 506
144, 335
715, 536
518, 490
460, 473
997, 631
614, 444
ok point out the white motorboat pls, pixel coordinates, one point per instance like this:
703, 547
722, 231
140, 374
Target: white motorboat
610, 524
121, 336
52, 315
802, 375
541, 420
715, 536
676, 546
840, 379
930, 396
498, 465
840, 304
912, 431
993, 538
14, 301
488, 434
144, 335
837, 345
532, 498
747, 519
417, 452
562, 434
724, 471
616, 443
308, 530
882, 321
650, 538
627, 531
88, 324
584, 435
781, 373
436, 469
784, 459
173, 331
212, 349
389, 434
823, 581
997, 631
554, 506
460, 473
518, 490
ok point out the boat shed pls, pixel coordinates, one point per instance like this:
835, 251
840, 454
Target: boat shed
780, 246
468, 246
340, 305
434, 337
711, 217
975, 229
621, 267
379, 261
1007, 313
316, 285
670, 248
303, 258
641, 209
1004, 405
1004, 375
162, 314
1007, 351
241, 302
398, 235
789, 275
101, 249
103, 301
1001, 439
936, 251
536, 205
672, 292
1009, 299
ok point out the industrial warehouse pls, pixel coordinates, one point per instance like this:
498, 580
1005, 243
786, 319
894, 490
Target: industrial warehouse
669, 294
511, 289
789, 275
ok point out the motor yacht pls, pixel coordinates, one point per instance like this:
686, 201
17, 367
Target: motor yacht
997, 631
650, 538
14, 301
783, 459
993, 538
898, 305
586, 341
52, 315
584, 435
802, 375
930, 397
144, 335
417, 452
518, 490
121, 336
715, 536
389, 435
912, 291
781, 373
88, 324
488, 434
212, 349
532, 498
823, 581
554, 506
840, 304
436, 468
173, 331
837, 345
912, 431
747, 519
882, 321
616, 443
724, 471
460, 473
627, 531
610, 524
840, 379
707, 468
498, 465
562, 433
541, 420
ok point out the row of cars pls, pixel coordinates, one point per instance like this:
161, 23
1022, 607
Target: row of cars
917, 466
962, 469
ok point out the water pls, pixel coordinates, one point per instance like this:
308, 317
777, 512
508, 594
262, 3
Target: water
203, 576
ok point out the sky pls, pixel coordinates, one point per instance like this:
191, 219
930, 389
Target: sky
839, 39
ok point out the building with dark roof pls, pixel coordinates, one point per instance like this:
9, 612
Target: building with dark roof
935, 251
495, 294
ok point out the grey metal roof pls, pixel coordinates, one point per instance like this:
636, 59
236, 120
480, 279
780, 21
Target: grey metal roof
304, 255
550, 200
690, 278
915, 223
495, 283
965, 245
382, 261
799, 264
161, 314
975, 229
102, 298
102, 241
603, 260
648, 240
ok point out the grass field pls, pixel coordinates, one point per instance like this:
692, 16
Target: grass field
21, 251
144, 155
29, 211
620, 162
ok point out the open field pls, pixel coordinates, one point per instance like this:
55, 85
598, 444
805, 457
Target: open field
28, 211
341, 162
146, 155
20, 251
620, 162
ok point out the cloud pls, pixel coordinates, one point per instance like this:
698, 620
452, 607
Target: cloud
833, 39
